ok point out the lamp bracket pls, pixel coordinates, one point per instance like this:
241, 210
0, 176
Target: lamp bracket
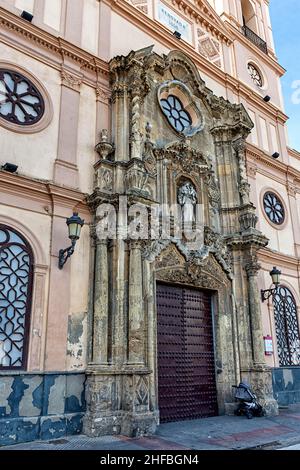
266, 294
64, 255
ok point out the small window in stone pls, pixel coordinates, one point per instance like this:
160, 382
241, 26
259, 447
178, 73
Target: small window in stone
177, 116
21, 102
255, 75
274, 208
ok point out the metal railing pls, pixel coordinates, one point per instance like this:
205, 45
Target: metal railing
255, 39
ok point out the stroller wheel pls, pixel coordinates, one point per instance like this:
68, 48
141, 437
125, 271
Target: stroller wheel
249, 415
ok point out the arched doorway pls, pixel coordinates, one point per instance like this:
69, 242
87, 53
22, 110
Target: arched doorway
186, 362
16, 279
287, 328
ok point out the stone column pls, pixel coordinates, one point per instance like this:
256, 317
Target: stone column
120, 124
252, 269
100, 330
136, 333
260, 375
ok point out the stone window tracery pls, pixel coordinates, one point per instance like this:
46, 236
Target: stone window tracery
255, 75
177, 116
21, 102
274, 208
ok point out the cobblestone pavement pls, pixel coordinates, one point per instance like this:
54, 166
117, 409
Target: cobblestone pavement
219, 433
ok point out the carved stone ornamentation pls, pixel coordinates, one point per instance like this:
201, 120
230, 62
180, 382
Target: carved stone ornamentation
104, 148
252, 266
213, 189
104, 176
102, 94
208, 275
181, 155
158, 167
248, 218
148, 155
71, 80
142, 394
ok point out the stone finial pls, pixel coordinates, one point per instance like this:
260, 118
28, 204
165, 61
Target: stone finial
104, 148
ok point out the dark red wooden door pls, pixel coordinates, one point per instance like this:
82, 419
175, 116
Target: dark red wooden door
186, 369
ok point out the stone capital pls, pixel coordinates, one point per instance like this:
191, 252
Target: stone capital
252, 267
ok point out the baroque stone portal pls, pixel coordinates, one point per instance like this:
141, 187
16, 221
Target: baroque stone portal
152, 162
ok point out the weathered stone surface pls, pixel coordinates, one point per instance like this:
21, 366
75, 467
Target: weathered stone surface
151, 161
40, 406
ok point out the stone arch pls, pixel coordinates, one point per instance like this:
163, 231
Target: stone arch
38, 252
249, 15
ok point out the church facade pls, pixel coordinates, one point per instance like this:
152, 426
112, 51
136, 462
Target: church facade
145, 117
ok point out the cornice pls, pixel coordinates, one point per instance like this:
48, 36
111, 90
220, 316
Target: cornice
275, 257
61, 49
201, 12
163, 35
293, 153
236, 33
47, 41
42, 191
275, 169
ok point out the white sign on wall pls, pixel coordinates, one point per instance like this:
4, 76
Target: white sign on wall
173, 21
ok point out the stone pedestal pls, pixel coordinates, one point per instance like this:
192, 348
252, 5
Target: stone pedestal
260, 378
118, 403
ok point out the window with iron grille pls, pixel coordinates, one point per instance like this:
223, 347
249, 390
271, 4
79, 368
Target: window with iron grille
287, 327
16, 274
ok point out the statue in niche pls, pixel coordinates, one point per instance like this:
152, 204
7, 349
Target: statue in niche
187, 198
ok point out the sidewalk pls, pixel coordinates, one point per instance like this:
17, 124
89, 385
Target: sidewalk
219, 433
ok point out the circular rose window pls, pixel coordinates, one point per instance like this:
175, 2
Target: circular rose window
180, 107
274, 208
177, 116
255, 75
21, 102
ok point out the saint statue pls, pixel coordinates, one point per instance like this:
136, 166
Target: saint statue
187, 198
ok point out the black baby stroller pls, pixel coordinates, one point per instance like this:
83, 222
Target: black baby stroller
248, 404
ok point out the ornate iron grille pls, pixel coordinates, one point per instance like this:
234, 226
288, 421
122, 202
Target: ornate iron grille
287, 328
16, 263
255, 39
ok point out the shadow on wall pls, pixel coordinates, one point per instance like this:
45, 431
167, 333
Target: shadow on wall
40, 406
286, 385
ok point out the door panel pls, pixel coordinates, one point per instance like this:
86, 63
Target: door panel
186, 371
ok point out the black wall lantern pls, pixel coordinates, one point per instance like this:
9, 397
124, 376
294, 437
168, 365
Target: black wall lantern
275, 275
75, 224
